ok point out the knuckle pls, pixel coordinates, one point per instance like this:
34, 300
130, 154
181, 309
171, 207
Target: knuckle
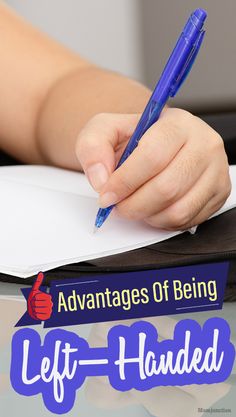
151, 221
123, 183
224, 185
99, 117
170, 129
179, 218
227, 179
84, 139
218, 140
126, 211
39, 294
149, 149
228, 189
188, 165
80, 145
175, 121
225, 189
181, 116
217, 144
167, 190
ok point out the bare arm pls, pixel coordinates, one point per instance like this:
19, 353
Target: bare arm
48, 93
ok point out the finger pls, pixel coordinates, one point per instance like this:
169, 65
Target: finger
43, 310
42, 316
98, 142
211, 207
33, 316
41, 296
38, 282
41, 304
167, 187
157, 148
197, 205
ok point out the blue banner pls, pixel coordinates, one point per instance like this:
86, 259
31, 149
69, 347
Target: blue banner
120, 296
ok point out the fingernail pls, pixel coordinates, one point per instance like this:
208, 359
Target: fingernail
107, 199
97, 175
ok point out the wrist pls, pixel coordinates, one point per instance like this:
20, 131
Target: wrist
73, 100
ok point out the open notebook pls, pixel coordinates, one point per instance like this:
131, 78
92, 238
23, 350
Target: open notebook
47, 217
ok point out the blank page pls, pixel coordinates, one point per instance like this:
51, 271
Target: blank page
47, 217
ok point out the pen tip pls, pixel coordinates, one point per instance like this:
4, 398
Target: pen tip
95, 229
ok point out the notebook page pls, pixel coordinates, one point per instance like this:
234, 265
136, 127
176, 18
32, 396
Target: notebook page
47, 217
42, 228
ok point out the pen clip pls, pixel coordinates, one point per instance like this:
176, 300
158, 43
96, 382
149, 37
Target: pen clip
184, 73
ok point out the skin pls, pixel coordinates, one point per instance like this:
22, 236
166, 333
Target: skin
179, 168
58, 109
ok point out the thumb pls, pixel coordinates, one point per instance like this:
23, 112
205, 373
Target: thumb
100, 143
38, 282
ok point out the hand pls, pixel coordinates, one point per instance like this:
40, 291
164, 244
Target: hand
39, 303
176, 178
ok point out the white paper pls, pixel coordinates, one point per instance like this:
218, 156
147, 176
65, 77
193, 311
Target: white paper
47, 217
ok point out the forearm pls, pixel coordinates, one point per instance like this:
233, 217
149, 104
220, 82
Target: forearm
48, 93
31, 63
73, 100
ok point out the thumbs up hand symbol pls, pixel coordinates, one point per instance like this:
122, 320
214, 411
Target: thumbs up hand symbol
39, 303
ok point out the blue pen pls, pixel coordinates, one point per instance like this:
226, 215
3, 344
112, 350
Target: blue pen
173, 76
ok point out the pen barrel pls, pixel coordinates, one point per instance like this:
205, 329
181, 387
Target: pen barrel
148, 118
182, 57
174, 69
174, 73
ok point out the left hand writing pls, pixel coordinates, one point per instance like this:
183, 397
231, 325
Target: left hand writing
176, 178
